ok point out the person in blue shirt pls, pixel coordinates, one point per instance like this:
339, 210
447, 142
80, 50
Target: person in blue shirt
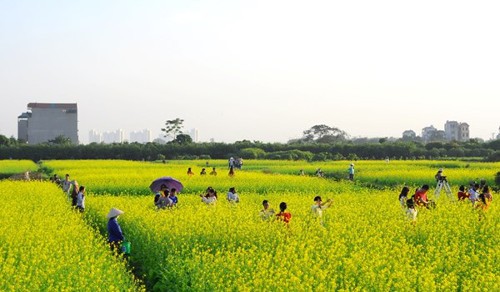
173, 197
351, 171
115, 234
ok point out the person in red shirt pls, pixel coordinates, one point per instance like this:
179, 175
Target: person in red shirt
462, 194
283, 215
421, 196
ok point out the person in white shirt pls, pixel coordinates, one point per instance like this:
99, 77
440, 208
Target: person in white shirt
210, 198
319, 206
473, 194
232, 196
164, 201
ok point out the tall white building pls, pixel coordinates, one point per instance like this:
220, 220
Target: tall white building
143, 136
455, 131
95, 137
117, 136
193, 133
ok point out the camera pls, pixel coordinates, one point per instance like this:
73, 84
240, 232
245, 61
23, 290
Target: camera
442, 178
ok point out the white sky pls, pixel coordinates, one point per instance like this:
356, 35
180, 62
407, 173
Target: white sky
257, 70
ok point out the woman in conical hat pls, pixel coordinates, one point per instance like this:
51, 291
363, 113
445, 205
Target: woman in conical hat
115, 234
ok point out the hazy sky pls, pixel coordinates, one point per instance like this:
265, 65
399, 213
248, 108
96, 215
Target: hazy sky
257, 70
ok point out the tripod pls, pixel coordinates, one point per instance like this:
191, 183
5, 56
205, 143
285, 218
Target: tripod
442, 183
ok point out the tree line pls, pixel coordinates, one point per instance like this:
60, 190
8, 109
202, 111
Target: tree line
294, 150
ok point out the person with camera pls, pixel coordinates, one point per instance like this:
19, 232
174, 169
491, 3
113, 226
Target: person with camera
439, 175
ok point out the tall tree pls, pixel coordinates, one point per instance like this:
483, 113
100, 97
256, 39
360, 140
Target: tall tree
324, 134
173, 127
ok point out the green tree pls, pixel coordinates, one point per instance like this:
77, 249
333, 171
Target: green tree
173, 127
60, 140
324, 134
183, 139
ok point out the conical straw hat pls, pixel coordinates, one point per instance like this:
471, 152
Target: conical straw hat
114, 212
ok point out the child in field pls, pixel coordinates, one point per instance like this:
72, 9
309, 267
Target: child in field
267, 212
173, 197
203, 171
232, 196
485, 198
213, 172
462, 194
403, 196
473, 194
411, 212
80, 199
283, 215
319, 206
190, 172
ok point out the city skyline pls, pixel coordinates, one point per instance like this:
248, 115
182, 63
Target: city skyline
260, 70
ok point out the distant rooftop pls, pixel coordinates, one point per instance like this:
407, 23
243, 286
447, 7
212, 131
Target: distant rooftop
24, 115
32, 105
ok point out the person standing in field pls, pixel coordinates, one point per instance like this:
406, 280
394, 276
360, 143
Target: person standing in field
403, 196
283, 215
351, 171
203, 171
485, 198
190, 172
473, 194
267, 212
115, 234
66, 185
213, 172
74, 193
319, 206
80, 199
231, 171
411, 212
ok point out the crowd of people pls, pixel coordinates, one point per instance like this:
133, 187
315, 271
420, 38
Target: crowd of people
203, 171
76, 195
478, 195
74, 192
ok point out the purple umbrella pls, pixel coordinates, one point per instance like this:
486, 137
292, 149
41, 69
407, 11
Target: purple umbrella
170, 182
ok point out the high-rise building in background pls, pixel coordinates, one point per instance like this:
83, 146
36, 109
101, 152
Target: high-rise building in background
143, 136
193, 133
428, 133
117, 136
95, 137
455, 131
46, 121
409, 135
